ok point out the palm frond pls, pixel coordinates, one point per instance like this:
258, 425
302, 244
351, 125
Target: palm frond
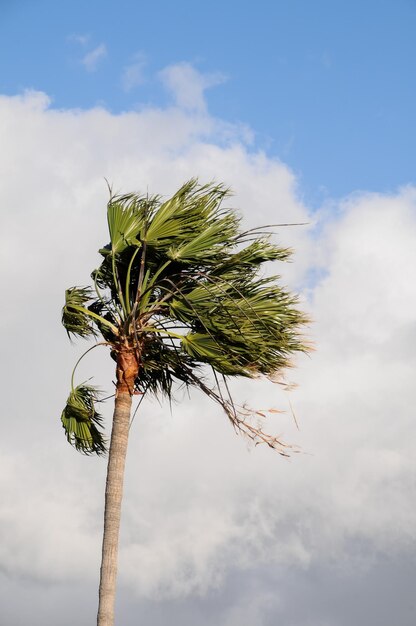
260, 251
249, 330
126, 218
211, 243
74, 317
186, 216
81, 421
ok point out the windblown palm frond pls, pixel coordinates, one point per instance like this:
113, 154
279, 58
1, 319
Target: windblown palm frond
125, 220
186, 215
81, 421
74, 317
79, 319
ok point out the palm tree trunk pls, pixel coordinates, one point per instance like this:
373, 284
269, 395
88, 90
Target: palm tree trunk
126, 372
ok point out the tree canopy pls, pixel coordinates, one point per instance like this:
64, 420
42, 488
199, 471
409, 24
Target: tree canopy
181, 289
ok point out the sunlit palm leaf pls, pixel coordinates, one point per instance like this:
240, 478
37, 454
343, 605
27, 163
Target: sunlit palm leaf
125, 221
186, 215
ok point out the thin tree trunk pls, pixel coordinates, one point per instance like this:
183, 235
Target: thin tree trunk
112, 510
127, 368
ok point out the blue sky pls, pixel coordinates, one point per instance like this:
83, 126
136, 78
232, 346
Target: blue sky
327, 86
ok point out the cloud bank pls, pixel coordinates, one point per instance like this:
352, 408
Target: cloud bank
200, 506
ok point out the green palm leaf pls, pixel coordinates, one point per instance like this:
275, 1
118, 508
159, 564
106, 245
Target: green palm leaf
125, 218
81, 421
185, 216
74, 316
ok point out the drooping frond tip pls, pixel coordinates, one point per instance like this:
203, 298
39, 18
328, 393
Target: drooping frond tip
81, 421
245, 421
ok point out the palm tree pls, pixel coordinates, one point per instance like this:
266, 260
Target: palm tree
179, 301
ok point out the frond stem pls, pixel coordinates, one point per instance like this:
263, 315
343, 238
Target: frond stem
117, 282
102, 320
141, 272
127, 292
102, 343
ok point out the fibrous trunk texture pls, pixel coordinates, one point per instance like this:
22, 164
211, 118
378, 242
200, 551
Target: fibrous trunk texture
126, 372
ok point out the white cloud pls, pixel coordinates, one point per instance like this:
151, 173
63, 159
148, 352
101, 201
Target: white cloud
92, 59
188, 86
133, 73
81, 39
197, 503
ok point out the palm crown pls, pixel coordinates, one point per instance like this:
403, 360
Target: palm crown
179, 294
